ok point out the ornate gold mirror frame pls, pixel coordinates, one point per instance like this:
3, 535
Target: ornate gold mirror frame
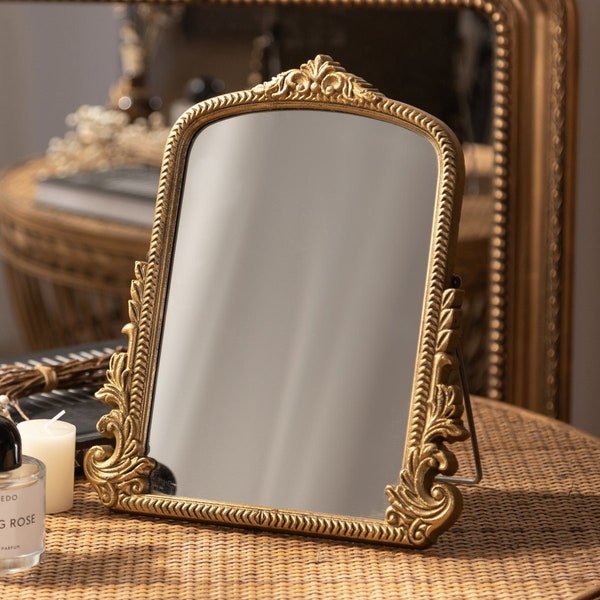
420, 507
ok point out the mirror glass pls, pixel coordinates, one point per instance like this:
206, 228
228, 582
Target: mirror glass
294, 305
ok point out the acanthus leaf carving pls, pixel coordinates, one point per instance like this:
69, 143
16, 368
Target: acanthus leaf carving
419, 505
320, 78
122, 470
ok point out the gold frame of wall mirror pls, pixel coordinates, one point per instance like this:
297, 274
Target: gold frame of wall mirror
419, 506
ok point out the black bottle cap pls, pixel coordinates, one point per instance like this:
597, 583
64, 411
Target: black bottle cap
10, 445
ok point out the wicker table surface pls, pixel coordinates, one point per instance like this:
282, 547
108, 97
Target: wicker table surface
530, 530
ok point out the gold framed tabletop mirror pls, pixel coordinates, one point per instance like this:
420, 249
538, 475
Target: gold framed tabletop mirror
292, 360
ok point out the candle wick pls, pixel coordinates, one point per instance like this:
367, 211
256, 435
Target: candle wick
54, 419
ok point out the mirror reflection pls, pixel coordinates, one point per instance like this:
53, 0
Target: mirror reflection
441, 57
294, 305
437, 58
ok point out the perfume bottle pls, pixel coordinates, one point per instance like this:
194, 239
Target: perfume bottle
22, 503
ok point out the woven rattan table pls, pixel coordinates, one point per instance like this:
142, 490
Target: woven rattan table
530, 530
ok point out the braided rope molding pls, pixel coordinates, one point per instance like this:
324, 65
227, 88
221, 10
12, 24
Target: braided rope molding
122, 478
416, 513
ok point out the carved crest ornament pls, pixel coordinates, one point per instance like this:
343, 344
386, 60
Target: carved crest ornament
420, 506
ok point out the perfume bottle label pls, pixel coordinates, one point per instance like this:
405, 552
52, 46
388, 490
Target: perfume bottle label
22, 520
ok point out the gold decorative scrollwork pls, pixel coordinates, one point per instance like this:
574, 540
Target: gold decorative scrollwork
123, 470
418, 503
320, 78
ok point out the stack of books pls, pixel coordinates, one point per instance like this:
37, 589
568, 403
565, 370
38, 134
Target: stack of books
125, 194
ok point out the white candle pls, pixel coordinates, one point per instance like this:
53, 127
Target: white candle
52, 442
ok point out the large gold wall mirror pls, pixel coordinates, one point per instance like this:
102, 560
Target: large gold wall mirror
292, 361
527, 106
524, 325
